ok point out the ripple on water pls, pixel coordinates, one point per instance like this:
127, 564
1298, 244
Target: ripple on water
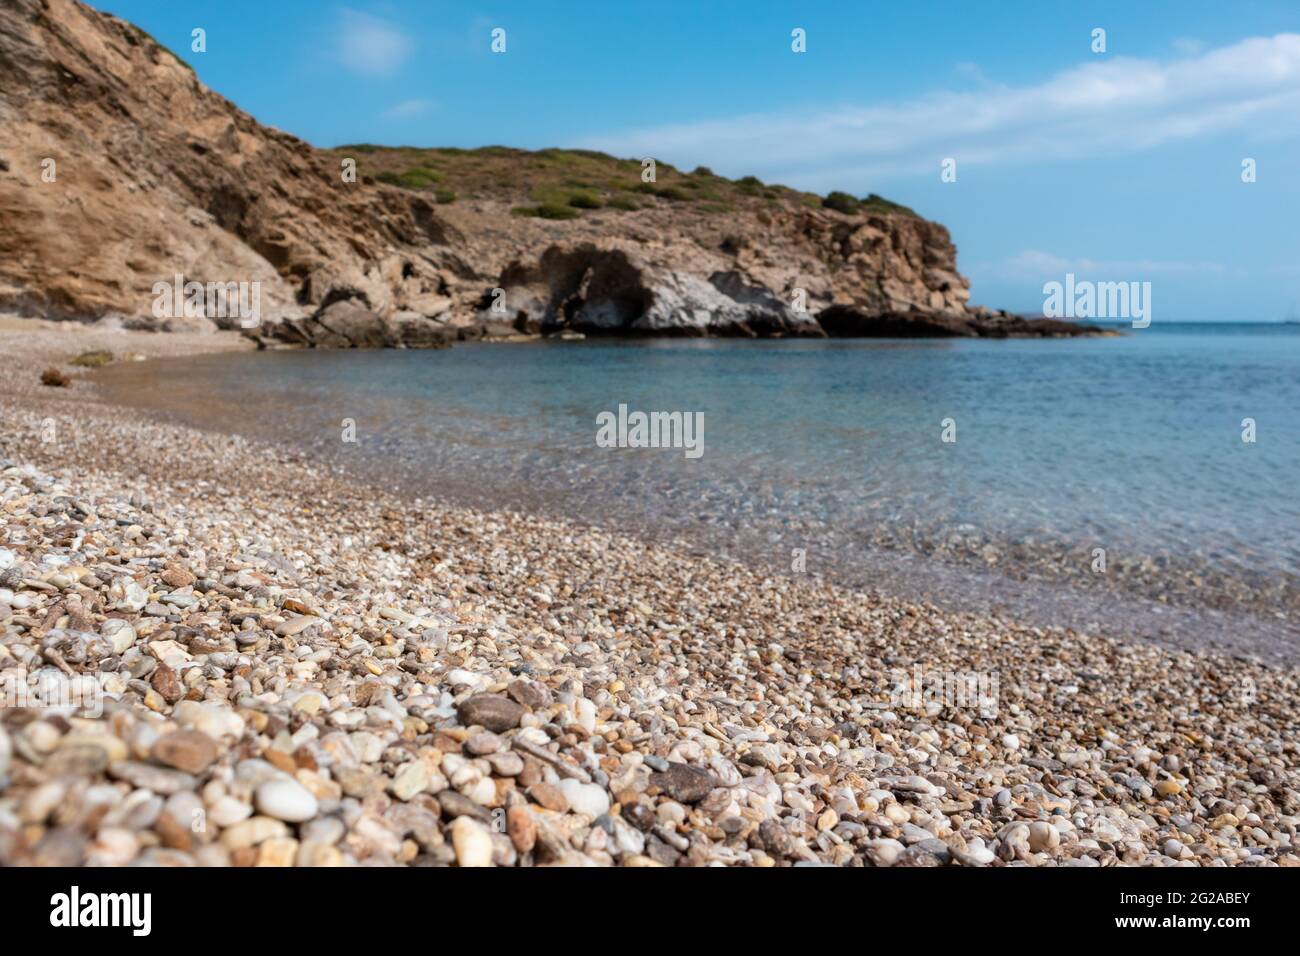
835, 449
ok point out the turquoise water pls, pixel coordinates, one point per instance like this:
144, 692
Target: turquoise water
1131, 444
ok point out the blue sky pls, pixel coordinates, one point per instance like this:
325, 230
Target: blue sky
1118, 166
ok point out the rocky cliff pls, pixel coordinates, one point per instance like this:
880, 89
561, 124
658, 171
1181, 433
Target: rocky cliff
121, 174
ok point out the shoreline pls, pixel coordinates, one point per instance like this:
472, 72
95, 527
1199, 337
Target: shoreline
1154, 595
310, 657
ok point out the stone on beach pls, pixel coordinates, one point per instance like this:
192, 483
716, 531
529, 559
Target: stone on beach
296, 669
472, 842
285, 799
187, 750
491, 711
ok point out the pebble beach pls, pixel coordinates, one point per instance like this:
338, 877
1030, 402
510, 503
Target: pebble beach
280, 666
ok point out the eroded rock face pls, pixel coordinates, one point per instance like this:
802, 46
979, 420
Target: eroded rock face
598, 290
154, 176
766, 274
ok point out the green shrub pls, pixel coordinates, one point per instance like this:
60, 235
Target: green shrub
417, 177
444, 196
874, 203
841, 202
420, 177
673, 193
553, 211
702, 171
623, 202
93, 359
585, 201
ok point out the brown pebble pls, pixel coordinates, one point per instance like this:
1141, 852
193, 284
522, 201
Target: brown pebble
492, 711
280, 760
549, 797
190, 750
166, 683
522, 828
176, 577
684, 783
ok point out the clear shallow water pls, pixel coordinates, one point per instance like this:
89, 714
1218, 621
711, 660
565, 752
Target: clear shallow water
1129, 444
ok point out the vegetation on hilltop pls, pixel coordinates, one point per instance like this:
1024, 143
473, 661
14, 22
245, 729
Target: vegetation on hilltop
563, 183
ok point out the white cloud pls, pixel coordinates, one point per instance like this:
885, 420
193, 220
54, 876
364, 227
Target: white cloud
1108, 106
371, 46
1035, 265
408, 109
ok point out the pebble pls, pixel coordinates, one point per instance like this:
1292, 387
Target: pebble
683, 783
226, 811
277, 851
253, 831
588, 798
1043, 836
549, 796
79, 759
276, 696
120, 634
884, 851
286, 799
472, 842
491, 711
522, 827
507, 764
189, 750
483, 742
413, 778
148, 777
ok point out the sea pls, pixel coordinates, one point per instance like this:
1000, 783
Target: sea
1137, 485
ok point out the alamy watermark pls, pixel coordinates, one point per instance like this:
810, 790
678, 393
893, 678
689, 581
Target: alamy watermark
50, 689
74, 909
922, 690
683, 430
1085, 299
212, 300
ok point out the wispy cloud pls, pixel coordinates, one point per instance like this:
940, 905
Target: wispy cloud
971, 71
1115, 105
1034, 264
371, 46
408, 109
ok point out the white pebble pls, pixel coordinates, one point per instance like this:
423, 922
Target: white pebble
472, 843
286, 799
588, 798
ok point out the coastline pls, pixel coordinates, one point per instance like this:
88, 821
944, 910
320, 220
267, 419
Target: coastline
320, 649
477, 453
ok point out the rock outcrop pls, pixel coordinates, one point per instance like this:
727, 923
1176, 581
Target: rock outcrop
121, 174
120, 170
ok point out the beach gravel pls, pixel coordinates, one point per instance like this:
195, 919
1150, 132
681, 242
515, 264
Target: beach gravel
262, 662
